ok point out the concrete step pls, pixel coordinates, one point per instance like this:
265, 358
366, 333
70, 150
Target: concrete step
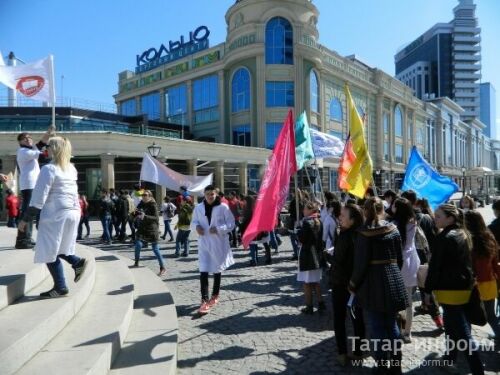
18, 274
30, 323
151, 344
92, 340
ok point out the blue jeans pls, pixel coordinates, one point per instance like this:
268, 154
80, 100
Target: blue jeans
182, 239
156, 251
383, 329
273, 241
56, 270
12, 222
253, 252
106, 223
167, 229
458, 332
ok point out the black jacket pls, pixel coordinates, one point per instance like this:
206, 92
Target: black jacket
342, 261
427, 225
148, 229
376, 277
450, 267
310, 236
495, 229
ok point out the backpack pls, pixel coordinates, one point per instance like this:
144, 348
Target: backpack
421, 244
170, 210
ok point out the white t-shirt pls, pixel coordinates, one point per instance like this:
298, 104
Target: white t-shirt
27, 160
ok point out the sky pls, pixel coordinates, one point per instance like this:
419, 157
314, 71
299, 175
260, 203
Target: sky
94, 40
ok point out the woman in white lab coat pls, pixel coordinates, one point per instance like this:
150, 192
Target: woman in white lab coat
213, 221
55, 196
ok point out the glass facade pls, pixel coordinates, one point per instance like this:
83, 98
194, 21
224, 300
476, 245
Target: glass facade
398, 121
272, 131
336, 110
128, 107
240, 90
339, 135
206, 99
279, 94
150, 105
176, 104
314, 91
242, 135
279, 41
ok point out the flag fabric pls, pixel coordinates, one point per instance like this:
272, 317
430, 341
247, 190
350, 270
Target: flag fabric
326, 145
156, 172
34, 80
426, 182
303, 143
360, 175
345, 164
1, 59
275, 183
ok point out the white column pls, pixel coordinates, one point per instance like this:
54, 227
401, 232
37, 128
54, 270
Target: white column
243, 172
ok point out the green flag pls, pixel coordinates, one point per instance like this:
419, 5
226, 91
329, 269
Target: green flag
303, 143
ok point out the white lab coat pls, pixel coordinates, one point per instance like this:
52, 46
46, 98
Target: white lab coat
27, 160
56, 194
214, 252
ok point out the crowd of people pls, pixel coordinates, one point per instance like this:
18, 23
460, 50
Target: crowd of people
376, 252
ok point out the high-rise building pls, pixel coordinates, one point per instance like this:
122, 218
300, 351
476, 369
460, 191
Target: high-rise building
446, 61
488, 109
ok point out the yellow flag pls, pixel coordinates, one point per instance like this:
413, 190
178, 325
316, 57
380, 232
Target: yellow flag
360, 175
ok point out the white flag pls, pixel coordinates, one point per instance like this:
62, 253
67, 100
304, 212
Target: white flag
326, 145
34, 80
154, 171
1, 59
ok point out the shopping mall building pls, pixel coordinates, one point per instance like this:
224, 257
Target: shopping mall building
231, 100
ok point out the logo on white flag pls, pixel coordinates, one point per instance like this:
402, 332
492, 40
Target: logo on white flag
420, 176
30, 85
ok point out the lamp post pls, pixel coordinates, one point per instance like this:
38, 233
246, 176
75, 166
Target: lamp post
154, 150
463, 180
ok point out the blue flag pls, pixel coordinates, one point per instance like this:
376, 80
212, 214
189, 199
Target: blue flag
303, 143
426, 182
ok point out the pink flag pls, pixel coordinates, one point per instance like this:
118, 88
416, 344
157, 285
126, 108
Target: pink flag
275, 184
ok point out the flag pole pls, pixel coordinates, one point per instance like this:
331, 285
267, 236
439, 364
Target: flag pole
53, 92
320, 182
310, 183
296, 199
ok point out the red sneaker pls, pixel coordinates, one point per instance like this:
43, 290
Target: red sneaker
438, 320
214, 300
204, 308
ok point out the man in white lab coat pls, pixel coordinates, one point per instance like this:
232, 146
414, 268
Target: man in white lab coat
213, 221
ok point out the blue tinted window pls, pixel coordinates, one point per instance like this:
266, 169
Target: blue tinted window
206, 99
279, 41
150, 104
242, 135
314, 90
361, 111
386, 151
240, 93
272, 131
128, 107
176, 104
399, 153
205, 92
336, 134
335, 110
398, 121
386, 123
279, 94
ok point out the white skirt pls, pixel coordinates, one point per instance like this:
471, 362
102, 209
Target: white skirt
313, 276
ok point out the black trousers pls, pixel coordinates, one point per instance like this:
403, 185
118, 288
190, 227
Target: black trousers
26, 197
340, 297
204, 285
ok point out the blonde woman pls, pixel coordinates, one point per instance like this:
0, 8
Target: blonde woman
55, 196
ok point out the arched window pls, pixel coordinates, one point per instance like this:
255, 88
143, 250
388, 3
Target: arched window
279, 41
335, 110
241, 90
314, 90
398, 121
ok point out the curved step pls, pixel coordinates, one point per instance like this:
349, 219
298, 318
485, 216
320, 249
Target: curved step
18, 274
30, 323
151, 344
92, 340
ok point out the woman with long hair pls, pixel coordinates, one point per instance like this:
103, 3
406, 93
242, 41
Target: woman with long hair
450, 278
378, 284
467, 203
310, 236
55, 197
342, 263
485, 265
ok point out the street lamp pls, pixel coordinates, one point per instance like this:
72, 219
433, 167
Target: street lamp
154, 150
463, 180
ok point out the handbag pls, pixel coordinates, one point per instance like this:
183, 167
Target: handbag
474, 309
422, 272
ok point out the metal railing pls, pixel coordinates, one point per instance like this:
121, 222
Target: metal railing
65, 101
